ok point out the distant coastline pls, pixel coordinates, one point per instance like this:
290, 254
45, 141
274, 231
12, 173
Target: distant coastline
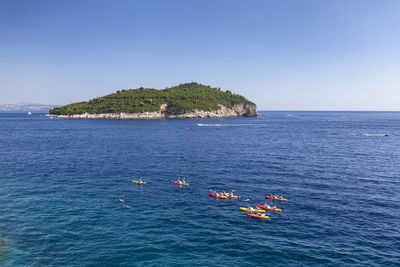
26, 107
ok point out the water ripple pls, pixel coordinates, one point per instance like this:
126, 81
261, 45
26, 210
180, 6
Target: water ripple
61, 180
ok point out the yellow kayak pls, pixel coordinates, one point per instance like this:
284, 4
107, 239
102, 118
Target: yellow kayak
251, 210
138, 182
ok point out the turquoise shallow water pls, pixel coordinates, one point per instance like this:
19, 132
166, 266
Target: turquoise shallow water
60, 180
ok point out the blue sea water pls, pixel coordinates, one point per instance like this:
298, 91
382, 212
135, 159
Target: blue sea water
60, 180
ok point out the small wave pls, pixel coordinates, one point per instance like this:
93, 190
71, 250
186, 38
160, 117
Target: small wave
382, 134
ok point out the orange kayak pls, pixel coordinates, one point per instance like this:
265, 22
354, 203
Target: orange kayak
257, 216
276, 198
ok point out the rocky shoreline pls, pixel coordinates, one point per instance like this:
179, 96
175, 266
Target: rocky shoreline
238, 110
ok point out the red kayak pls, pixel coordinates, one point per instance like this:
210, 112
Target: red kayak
180, 183
266, 208
276, 198
257, 216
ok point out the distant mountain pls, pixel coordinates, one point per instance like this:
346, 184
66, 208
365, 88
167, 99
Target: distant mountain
25, 107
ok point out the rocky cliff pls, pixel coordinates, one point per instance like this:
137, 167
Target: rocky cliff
238, 110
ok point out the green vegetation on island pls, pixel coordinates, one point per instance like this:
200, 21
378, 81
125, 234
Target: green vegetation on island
179, 99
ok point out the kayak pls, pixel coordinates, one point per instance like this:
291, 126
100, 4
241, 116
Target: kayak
218, 196
180, 183
222, 196
214, 195
138, 182
185, 184
276, 198
257, 216
251, 210
265, 207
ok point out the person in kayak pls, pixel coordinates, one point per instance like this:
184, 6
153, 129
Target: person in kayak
140, 181
270, 207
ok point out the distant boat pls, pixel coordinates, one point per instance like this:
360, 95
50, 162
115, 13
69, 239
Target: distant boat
29, 113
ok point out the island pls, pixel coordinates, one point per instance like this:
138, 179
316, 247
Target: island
188, 100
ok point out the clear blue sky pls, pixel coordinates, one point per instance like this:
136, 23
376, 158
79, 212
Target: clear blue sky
282, 54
